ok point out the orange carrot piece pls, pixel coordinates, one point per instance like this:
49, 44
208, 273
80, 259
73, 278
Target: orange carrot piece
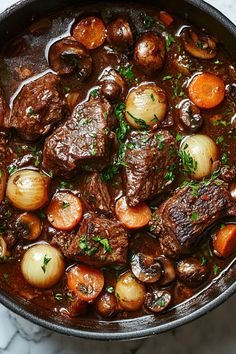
91, 32
64, 211
132, 217
166, 18
86, 282
206, 90
225, 241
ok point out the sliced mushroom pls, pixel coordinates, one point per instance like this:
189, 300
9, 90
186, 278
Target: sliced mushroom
168, 271
149, 53
28, 226
199, 46
68, 56
3, 248
106, 305
119, 34
146, 268
190, 116
158, 300
191, 272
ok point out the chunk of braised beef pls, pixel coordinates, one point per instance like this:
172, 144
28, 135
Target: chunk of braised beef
62, 241
95, 194
39, 105
99, 242
82, 141
181, 219
150, 164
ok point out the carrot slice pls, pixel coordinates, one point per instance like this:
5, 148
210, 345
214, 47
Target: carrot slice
225, 241
85, 282
91, 32
132, 217
64, 211
206, 90
166, 18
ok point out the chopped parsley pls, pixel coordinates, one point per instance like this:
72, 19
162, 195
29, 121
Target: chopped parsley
152, 97
225, 159
65, 204
104, 242
6, 276
127, 73
169, 41
64, 184
66, 89
58, 297
179, 137
148, 22
110, 289
121, 132
193, 185
167, 77
188, 163
12, 169
194, 216
84, 245
218, 62
203, 260
200, 44
160, 140
46, 260
94, 93
216, 269
1, 174
160, 302
222, 122
139, 121
219, 140
177, 92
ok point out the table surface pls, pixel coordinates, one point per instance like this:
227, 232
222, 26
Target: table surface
213, 333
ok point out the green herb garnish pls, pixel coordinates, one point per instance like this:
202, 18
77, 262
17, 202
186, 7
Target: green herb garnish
46, 260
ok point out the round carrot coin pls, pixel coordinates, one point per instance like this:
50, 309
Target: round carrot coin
64, 211
206, 90
132, 217
225, 241
86, 282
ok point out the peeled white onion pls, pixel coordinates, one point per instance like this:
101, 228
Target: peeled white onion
146, 104
42, 266
3, 248
3, 179
130, 292
203, 151
27, 190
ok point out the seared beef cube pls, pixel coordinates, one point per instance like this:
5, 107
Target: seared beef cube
39, 105
99, 242
150, 164
181, 219
82, 141
95, 194
62, 240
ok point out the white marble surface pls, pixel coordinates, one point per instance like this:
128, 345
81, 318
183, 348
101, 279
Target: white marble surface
214, 333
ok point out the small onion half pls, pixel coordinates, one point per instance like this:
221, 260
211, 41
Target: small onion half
42, 266
203, 151
146, 105
27, 190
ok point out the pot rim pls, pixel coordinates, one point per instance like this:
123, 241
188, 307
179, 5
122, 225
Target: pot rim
15, 306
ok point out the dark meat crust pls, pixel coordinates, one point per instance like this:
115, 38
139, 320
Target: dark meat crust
95, 194
39, 105
94, 252
181, 219
148, 162
4, 109
82, 141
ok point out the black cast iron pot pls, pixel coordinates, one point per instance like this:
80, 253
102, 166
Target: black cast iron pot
12, 22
